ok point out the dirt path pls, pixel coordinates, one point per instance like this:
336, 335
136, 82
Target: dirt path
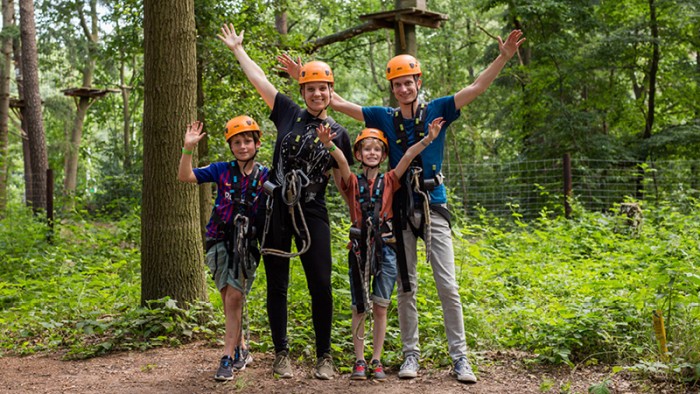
189, 369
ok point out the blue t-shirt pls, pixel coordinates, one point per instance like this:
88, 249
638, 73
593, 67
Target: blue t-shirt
382, 118
225, 206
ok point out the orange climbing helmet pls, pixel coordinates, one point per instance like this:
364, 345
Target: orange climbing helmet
241, 124
402, 65
370, 133
316, 71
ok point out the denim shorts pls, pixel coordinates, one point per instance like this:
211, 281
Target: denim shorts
383, 282
217, 261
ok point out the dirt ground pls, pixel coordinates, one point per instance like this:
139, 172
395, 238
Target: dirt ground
190, 369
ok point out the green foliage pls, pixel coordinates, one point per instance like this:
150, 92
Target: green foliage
81, 292
576, 291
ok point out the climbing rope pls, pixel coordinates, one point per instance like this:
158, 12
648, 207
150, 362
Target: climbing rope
292, 188
415, 181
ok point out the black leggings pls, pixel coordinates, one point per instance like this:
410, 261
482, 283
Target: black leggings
317, 267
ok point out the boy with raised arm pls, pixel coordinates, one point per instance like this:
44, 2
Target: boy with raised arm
232, 253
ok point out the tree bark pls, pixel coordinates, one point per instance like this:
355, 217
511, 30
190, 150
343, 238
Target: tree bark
126, 114
171, 248
8, 20
70, 163
653, 70
33, 117
72, 154
205, 192
26, 156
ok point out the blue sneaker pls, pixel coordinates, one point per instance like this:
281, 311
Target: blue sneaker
241, 359
463, 371
225, 371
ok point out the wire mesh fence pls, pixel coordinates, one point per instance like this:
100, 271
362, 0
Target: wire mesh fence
524, 187
528, 187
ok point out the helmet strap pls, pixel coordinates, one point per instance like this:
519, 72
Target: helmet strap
244, 164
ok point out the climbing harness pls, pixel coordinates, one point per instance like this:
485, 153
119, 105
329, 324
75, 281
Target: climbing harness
299, 176
239, 232
414, 183
367, 244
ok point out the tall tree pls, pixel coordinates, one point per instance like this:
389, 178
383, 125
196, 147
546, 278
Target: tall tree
8, 25
171, 248
26, 154
90, 29
33, 117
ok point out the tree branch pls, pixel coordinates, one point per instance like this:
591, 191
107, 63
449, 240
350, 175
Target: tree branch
313, 46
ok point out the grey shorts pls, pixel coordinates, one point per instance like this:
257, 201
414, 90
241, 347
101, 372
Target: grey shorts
217, 261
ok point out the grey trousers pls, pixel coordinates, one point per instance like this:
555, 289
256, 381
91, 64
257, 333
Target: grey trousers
443, 266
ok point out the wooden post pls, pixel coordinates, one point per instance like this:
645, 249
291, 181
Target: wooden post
660, 332
567, 185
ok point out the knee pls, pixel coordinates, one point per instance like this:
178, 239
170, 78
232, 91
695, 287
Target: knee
233, 297
379, 311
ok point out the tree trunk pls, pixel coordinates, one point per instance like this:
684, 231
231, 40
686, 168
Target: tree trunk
70, 163
205, 192
171, 248
72, 154
33, 117
16, 48
653, 70
8, 20
126, 114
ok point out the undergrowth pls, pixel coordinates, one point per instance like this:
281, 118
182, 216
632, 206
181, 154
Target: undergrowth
576, 291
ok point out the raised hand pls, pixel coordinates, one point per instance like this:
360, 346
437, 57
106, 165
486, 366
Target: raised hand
324, 134
291, 67
512, 43
229, 36
194, 134
435, 127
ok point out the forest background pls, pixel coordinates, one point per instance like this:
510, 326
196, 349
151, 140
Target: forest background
612, 82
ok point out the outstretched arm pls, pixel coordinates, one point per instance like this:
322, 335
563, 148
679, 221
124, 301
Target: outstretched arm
324, 134
350, 109
416, 149
255, 74
192, 137
293, 68
484, 80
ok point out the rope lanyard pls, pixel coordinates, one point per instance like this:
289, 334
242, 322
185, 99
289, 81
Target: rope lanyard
292, 188
415, 182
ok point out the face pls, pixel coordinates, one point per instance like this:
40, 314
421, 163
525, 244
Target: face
405, 88
243, 146
371, 152
317, 95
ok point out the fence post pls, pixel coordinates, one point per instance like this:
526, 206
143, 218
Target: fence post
49, 202
567, 185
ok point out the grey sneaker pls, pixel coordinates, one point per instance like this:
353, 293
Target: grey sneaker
463, 371
324, 367
241, 359
359, 370
225, 371
409, 368
282, 367
377, 370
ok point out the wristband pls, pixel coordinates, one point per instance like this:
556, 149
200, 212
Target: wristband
424, 143
332, 148
186, 152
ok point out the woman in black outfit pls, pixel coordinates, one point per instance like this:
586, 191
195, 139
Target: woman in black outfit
299, 176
